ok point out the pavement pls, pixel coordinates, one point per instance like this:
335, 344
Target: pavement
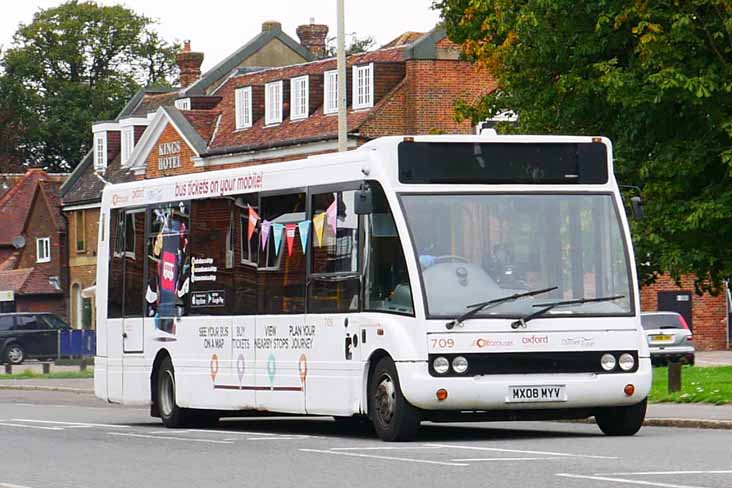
689, 415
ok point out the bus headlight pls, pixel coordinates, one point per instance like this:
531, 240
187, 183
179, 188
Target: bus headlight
626, 361
607, 361
460, 365
440, 365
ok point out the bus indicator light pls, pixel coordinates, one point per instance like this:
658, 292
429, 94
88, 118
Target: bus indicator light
629, 390
441, 394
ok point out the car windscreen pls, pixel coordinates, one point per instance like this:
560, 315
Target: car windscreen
661, 321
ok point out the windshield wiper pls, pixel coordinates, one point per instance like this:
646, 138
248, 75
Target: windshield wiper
477, 307
548, 306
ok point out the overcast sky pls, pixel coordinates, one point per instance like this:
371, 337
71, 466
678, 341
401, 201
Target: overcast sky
218, 27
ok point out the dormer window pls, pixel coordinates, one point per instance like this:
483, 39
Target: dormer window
243, 107
299, 98
100, 151
330, 97
128, 143
363, 86
183, 104
273, 103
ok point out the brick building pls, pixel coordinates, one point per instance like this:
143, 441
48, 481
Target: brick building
33, 245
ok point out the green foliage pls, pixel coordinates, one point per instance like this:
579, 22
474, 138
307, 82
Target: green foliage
655, 77
74, 64
698, 385
357, 45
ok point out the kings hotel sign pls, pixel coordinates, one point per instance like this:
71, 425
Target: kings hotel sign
169, 155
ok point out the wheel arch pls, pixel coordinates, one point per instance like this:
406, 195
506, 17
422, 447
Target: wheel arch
374, 357
159, 357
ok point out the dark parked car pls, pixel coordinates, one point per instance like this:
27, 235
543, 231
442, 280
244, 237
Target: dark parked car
669, 337
29, 335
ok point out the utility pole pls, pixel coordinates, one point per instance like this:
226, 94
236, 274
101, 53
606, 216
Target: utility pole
342, 98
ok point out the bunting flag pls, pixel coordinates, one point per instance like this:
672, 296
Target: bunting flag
318, 223
277, 231
266, 224
332, 213
304, 228
253, 218
290, 234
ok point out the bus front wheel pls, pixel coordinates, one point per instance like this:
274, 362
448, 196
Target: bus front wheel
171, 414
393, 417
622, 421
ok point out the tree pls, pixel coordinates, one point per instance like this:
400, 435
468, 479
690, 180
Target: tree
72, 65
358, 45
656, 77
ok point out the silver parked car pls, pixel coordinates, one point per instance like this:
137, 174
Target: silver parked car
669, 337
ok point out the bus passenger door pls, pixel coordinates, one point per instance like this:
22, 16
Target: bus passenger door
133, 334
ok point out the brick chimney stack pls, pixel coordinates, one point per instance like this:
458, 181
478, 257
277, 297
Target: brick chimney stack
271, 25
312, 36
189, 64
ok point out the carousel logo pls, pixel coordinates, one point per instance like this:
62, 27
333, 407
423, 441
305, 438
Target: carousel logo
118, 199
482, 342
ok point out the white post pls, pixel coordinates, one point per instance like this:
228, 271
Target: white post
342, 96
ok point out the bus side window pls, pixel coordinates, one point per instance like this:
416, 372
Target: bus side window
134, 262
387, 280
281, 274
115, 277
212, 237
246, 248
335, 284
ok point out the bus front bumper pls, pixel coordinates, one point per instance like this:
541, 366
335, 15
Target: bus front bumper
497, 392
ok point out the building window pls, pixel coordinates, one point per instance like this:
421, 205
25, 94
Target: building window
299, 98
330, 85
183, 104
363, 86
80, 224
100, 151
243, 107
128, 143
43, 250
273, 103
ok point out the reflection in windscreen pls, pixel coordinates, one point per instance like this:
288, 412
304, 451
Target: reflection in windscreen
472, 248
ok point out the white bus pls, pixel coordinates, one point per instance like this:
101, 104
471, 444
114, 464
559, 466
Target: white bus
426, 278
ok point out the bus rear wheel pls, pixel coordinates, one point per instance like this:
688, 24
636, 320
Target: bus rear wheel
393, 417
622, 421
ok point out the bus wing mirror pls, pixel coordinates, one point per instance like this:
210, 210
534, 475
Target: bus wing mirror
364, 204
637, 204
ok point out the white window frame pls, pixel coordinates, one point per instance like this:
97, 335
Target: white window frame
363, 97
43, 250
273, 103
100, 151
128, 143
299, 97
183, 104
330, 92
243, 107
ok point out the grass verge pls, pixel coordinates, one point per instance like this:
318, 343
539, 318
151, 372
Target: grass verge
59, 375
698, 385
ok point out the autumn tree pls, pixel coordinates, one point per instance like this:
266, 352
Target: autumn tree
74, 64
656, 77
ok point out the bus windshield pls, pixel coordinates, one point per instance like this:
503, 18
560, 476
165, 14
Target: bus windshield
476, 247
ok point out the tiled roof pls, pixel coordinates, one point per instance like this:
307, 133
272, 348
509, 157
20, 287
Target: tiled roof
152, 101
15, 205
203, 122
15, 279
406, 38
27, 281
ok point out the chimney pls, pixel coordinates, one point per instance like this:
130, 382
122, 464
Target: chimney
189, 64
312, 36
271, 25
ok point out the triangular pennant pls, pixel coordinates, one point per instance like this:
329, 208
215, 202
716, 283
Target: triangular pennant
304, 228
290, 234
277, 231
318, 224
332, 214
266, 224
253, 218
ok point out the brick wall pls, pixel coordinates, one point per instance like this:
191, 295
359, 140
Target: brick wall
55, 304
707, 311
170, 134
82, 265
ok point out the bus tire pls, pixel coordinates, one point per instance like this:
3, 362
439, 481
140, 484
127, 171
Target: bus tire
393, 417
170, 413
622, 421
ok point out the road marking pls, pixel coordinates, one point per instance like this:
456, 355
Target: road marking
23, 426
169, 438
387, 458
473, 460
518, 451
384, 448
639, 473
283, 438
78, 424
625, 480
10, 485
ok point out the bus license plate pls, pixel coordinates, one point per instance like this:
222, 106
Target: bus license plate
543, 393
